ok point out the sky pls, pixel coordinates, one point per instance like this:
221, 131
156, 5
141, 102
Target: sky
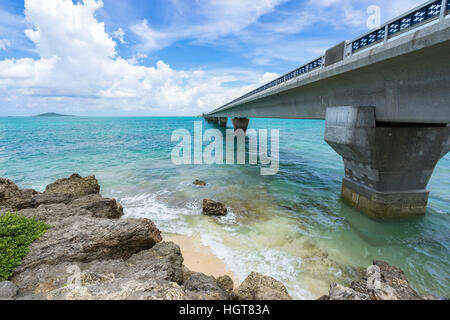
162, 57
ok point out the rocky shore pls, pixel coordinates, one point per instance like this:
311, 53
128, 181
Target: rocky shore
89, 253
92, 254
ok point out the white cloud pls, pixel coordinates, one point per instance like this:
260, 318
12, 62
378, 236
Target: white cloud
78, 59
79, 65
119, 34
204, 21
4, 44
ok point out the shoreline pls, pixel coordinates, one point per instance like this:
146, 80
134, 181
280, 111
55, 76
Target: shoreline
198, 257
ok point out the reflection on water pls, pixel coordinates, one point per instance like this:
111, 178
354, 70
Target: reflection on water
292, 226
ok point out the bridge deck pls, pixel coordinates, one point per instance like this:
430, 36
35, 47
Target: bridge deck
407, 79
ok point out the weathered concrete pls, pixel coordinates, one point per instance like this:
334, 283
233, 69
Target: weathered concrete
212, 119
389, 150
240, 124
387, 166
407, 80
223, 122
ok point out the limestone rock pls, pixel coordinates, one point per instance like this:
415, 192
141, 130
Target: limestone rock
199, 183
338, 292
63, 191
260, 287
213, 208
163, 262
117, 289
84, 239
8, 290
382, 282
12, 197
75, 185
91, 206
202, 287
226, 283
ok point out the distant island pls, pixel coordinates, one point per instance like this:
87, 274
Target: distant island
52, 114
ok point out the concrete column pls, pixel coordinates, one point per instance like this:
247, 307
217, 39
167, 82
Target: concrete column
387, 166
223, 122
240, 123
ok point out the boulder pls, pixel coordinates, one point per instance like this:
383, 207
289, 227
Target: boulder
338, 292
8, 290
381, 282
163, 262
13, 198
226, 283
260, 287
116, 289
199, 183
213, 208
75, 185
90, 206
202, 287
85, 239
62, 191
98, 206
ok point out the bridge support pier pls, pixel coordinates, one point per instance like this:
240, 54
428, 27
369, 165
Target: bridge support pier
223, 122
387, 166
240, 123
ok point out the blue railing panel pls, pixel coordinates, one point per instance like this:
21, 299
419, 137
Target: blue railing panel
422, 14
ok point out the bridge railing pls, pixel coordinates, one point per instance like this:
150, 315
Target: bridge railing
419, 16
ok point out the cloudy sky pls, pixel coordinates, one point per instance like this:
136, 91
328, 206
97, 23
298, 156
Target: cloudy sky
162, 57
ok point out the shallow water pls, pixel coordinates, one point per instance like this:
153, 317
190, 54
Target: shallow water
292, 226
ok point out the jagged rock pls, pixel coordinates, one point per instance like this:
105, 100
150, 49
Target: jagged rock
11, 197
99, 207
260, 287
83, 239
75, 185
8, 290
226, 283
163, 262
199, 183
186, 273
90, 206
338, 292
117, 289
382, 282
202, 287
213, 208
63, 191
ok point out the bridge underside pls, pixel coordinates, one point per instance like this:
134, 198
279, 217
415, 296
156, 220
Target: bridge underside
407, 82
387, 114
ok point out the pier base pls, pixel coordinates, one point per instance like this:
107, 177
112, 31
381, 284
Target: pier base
241, 124
387, 165
223, 122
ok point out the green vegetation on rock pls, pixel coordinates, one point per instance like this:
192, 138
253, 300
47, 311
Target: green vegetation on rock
16, 235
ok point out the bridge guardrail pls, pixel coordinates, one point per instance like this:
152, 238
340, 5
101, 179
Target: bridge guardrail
419, 16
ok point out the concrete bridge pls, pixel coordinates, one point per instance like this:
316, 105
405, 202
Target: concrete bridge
385, 97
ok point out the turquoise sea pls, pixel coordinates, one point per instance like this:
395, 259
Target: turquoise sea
292, 226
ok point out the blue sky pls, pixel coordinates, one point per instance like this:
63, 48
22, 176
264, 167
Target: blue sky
162, 57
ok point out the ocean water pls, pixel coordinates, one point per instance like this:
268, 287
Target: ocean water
292, 226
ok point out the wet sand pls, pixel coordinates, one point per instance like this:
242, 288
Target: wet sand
199, 258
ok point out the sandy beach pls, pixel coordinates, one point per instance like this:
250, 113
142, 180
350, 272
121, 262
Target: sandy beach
199, 258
